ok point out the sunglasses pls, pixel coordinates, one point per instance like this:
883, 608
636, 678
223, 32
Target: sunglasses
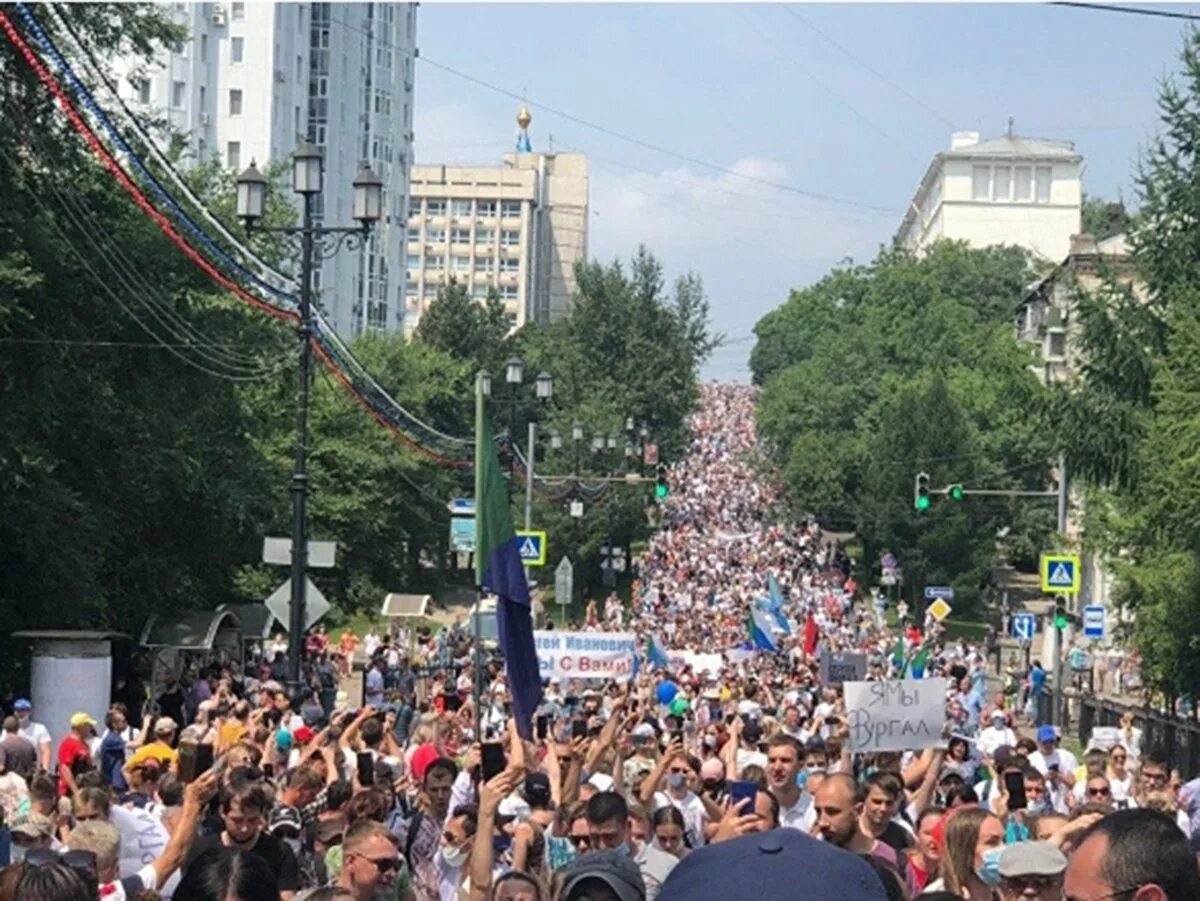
1099, 792
580, 841
383, 864
676, 769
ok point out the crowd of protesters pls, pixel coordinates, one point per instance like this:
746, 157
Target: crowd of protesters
723, 781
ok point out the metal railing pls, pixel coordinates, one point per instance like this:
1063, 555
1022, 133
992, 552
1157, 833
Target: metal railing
1178, 736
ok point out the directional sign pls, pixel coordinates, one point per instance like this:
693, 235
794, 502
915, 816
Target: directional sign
462, 534
461, 506
564, 582
315, 605
939, 609
1023, 626
1093, 621
945, 592
650, 455
1060, 573
321, 554
532, 545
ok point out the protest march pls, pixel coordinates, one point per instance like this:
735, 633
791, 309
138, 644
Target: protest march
748, 725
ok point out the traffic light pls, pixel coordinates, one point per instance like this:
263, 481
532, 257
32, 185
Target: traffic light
661, 487
1060, 615
921, 492
955, 492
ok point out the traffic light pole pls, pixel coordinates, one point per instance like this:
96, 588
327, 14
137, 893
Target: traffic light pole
1057, 709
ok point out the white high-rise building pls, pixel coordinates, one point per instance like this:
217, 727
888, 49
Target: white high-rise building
255, 78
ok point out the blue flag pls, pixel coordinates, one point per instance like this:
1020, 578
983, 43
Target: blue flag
655, 654
498, 570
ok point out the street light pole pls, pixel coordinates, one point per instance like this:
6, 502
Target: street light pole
482, 387
300, 460
367, 207
532, 447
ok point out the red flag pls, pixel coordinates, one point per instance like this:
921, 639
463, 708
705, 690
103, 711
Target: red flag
811, 633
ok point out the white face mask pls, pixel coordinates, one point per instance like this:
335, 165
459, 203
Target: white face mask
294, 844
17, 853
454, 858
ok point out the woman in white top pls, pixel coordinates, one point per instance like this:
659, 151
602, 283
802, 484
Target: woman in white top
1120, 779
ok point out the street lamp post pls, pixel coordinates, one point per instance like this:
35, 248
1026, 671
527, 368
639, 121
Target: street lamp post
314, 240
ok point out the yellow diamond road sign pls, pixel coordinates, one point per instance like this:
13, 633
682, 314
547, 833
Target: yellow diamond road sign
1060, 573
939, 609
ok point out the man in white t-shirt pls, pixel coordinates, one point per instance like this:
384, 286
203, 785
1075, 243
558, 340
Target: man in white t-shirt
34, 733
1056, 764
996, 734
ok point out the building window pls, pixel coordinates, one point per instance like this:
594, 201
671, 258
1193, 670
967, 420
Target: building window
239, 11
484, 236
413, 262
508, 292
435, 207
1023, 184
233, 154
1056, 344
510, 209
237, 49
435, 262
510, 237
203, 48
460, 236
414, 234
435, 236
235, 102
981, 183
460, 264
483, 264
1042, 176
1002, 183
479, 292
203, 98
510, 264
486, 209
178, 91
460, 207
142, 87
430, 292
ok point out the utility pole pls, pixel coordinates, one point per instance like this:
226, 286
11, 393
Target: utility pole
1058, 708
480, 450
529, 474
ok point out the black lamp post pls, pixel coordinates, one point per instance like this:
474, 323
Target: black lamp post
307, 179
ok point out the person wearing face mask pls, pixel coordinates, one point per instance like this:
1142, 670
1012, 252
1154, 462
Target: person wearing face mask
712, 780
971, 860
454, 851
33, 732
677, 773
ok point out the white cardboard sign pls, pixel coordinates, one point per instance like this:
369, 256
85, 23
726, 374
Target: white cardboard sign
897, 715
585, 655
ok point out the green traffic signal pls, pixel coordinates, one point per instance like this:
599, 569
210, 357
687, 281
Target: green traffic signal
661, 490
922, 502
1060, 622
956, 492
921, 492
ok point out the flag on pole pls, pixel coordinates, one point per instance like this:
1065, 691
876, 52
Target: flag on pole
498, 570
917, 667
899, 655
759, 627
775, 604
655, 654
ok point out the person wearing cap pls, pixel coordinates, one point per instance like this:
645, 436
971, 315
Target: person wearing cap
747, 733
74, 753
995, 734
609, 874
1031, 871
160, 749
33, 732
779, 865
1057, 764
31, 830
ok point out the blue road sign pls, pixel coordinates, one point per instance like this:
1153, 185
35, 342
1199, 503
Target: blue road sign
1093, 621
945, 592
1023, 626
532, 545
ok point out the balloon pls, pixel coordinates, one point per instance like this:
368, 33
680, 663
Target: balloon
680, 706
667, 692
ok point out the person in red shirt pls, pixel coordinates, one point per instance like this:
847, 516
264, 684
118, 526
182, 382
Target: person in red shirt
74, 750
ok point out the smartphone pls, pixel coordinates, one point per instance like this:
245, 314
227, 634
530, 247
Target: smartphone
366, 768
741, 790
205, 758
543, 726
269, 770
1053, 767
187, 762
831, 721
493, 761
1014, 784
579, 728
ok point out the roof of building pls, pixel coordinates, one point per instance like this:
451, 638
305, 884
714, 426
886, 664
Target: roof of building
1015, 145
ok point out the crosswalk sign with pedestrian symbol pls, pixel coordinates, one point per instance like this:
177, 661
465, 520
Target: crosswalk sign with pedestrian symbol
532, 546
1060, 573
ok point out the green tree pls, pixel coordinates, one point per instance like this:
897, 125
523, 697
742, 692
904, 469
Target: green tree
466, 329
1103, 219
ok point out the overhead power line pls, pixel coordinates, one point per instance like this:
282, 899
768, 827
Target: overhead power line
1131, 10
621, 136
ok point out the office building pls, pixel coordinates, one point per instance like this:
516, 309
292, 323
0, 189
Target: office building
518, 228
255, 78
1008, 190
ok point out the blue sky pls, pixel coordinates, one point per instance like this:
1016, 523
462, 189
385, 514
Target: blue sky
762, 91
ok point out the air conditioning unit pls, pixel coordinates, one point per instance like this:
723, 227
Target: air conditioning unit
218, 14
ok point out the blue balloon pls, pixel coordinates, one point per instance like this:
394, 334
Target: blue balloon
667, 692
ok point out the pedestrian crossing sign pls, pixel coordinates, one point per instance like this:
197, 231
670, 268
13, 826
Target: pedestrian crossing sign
1060, 573
532, 545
